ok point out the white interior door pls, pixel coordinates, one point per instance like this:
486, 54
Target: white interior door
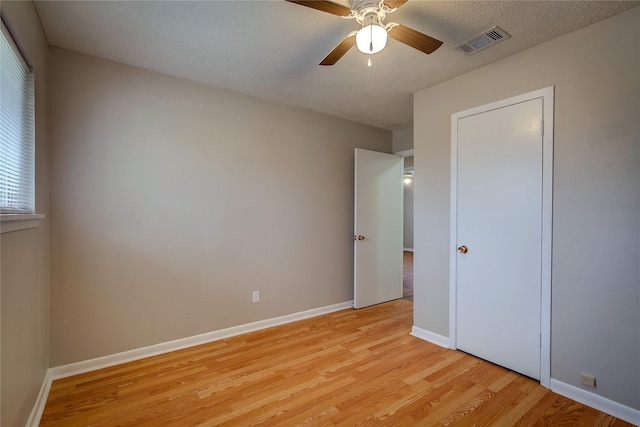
377, 228
499, 235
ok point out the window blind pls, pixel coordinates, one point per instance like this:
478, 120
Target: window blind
17, 130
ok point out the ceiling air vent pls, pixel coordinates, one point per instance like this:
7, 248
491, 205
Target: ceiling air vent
482, 41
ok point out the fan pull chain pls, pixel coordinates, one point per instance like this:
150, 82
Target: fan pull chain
370, 42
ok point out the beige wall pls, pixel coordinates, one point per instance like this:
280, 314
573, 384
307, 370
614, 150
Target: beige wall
25, 254
596, 227
173, 201
403, 139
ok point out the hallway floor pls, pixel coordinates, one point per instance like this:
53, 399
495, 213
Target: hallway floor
407, 275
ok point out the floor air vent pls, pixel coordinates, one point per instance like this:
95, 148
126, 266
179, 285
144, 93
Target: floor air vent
482, 41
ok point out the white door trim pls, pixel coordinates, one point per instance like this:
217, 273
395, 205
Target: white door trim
547, 95
404, 153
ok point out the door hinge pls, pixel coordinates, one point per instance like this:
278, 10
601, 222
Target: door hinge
541, 127
540, 340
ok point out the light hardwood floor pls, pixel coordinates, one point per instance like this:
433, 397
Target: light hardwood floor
352, 367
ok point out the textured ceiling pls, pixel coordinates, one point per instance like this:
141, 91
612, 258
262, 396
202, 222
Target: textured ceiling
271, 49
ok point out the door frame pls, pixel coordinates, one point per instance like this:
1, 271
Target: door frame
404, 153
547, 95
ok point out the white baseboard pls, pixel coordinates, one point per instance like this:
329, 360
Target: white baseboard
407, 249
41, 401
432, 337
600, 403
166, 347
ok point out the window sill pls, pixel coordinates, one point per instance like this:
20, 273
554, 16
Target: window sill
16, 222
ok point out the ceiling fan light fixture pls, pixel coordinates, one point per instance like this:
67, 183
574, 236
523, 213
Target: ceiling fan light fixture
371, 39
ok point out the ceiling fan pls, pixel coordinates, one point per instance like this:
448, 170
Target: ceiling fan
372, 37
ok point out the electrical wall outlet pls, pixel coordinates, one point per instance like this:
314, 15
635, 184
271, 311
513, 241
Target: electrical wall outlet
256, 296
588, 380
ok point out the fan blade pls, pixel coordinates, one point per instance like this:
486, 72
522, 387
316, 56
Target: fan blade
324, 6
339, 51
414, 38
394, 3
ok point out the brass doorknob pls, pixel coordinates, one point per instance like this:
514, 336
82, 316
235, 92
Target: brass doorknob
463, 249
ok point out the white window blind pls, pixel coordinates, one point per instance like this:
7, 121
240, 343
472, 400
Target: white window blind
17, 130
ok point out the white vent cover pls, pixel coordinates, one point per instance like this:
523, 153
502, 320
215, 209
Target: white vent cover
482, 41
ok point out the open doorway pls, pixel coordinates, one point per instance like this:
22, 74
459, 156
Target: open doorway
407, 257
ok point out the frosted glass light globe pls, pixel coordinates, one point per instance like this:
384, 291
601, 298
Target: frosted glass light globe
371, 39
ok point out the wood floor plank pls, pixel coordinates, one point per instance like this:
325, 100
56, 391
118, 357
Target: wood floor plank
348, 368
528, 402
497, 407
461, 415
444, 400
445, 360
